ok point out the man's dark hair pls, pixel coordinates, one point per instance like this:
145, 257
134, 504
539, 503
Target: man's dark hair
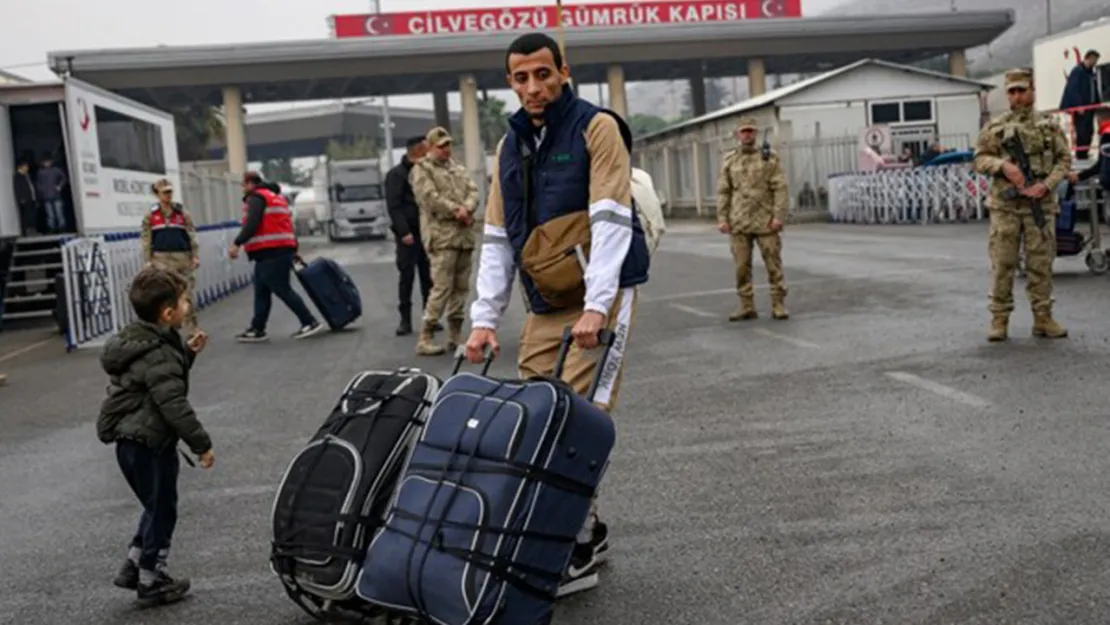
153, 290
253, 177
534, 42
413, 142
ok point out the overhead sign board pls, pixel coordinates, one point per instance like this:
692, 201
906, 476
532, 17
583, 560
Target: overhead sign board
497, 19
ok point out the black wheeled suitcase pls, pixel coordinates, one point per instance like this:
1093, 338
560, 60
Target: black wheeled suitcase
336, 491
331, 289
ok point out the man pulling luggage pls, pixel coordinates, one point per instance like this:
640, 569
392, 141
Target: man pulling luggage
581, 154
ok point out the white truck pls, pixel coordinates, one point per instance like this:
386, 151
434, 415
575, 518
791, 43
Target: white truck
355, 192
112, 150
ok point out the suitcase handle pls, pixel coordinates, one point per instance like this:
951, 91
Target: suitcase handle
606, 337
460, 357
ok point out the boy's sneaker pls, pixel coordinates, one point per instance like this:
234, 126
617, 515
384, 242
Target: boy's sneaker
164, 589
128, 576
311, 329
251, 336
581, 573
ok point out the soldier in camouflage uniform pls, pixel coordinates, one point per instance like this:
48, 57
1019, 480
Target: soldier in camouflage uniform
169, 239
751, 207
1011, 219
447, 198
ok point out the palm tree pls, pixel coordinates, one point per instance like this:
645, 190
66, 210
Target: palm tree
197, 126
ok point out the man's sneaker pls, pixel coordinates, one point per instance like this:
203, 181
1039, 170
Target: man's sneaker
311, 329
580, 574
251, 336
128, 576
600, 542
164, 589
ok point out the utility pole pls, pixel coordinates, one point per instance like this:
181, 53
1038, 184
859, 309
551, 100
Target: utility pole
387, 123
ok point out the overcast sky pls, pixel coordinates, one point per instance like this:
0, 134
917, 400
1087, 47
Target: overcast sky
28, 32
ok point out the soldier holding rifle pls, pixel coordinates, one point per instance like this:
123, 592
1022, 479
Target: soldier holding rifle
1022, 204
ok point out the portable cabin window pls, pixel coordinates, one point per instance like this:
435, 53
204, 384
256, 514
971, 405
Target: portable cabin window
129, 143
902, 112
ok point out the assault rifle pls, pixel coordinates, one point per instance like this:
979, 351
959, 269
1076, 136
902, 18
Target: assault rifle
1016, 150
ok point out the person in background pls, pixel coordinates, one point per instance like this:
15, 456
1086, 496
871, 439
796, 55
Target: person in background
268, 238
49, 181
169, 239
1011, 218
1082, 90
447, 198
404, 215
26, 199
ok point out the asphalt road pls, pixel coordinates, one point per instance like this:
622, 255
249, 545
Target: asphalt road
873, 460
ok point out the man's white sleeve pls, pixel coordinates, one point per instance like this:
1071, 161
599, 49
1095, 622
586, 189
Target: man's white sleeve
496, 270
610, 240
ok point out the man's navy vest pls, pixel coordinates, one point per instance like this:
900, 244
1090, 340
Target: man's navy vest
560, 181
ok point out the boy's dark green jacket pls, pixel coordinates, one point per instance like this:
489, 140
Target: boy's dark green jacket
148, 392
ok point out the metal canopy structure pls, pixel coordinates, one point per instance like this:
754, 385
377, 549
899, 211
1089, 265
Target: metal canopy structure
329, 69
306, 130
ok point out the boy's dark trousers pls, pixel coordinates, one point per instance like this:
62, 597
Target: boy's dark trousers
153, 478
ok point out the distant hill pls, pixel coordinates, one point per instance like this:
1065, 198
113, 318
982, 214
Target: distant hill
1013, 48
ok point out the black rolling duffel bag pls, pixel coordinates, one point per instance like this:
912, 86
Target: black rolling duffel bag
335, 493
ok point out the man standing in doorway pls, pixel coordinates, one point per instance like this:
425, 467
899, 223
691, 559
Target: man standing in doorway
49, 181
1011, 217
404, 216
751, 208
1082, 90
448, 198
26, 199
267, 236
582, 153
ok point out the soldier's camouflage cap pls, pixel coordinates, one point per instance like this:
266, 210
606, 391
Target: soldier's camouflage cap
746, 123
1020, 78
438, 136
162, 185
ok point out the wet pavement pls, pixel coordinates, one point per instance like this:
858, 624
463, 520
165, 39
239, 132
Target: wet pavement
873, 460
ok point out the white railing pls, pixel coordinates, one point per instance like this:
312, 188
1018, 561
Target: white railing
99, 269
936, 194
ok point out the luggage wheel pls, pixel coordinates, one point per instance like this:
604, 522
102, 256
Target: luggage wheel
1097, 262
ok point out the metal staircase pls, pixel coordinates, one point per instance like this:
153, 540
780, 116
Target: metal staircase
30, 291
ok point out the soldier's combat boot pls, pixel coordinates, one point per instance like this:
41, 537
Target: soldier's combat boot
746, 310
778, 309
1044, 325
426, 346
454, 334
998, 328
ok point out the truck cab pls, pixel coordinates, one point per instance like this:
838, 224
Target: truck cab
356, 200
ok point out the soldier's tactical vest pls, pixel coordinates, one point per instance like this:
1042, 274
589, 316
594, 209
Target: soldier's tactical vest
168, 234
559, 183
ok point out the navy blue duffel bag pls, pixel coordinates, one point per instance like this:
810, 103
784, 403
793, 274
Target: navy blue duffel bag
485, 516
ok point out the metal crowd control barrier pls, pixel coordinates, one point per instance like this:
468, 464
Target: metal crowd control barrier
98, 272
936, 194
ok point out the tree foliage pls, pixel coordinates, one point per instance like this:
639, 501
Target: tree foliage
493, 120
196, 128
282, 170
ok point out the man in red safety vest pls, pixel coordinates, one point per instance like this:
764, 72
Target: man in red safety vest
268, 238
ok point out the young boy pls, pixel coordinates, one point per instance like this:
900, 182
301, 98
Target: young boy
145, 414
